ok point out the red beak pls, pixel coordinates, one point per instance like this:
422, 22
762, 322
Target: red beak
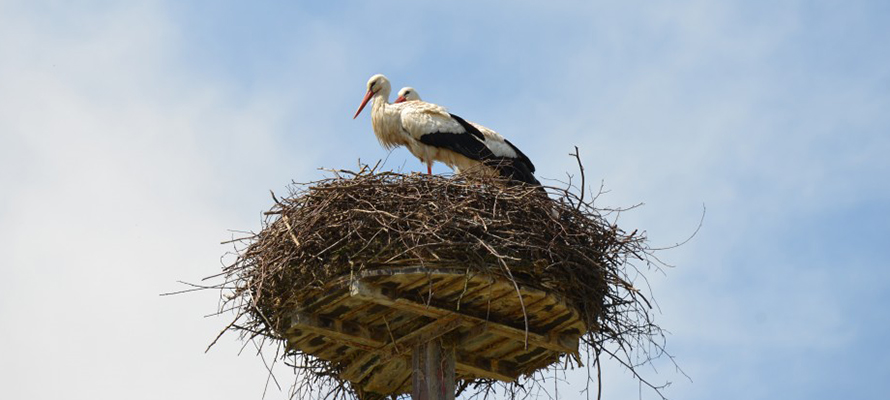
364, 102
400, 99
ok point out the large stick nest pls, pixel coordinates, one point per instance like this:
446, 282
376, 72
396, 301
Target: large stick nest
326, 229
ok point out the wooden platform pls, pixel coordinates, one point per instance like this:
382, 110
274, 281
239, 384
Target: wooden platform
368, 325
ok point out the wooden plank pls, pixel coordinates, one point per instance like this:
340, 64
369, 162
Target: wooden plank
432, 286
338, 307
457, 284
387, 377
430, 332
538, 361
391, 299
548, 311
374, 341
381, 296
433, 369
532, 307
420, 389
545, 311
412, 281
375, 357
479, 339
296, 337
495, 348
486, 368
417, 280
361, 367
331, 295
509, 303
310, 343
353, 313
568, 319
418, 276
486, 293
490, 301
522, 356
344, 332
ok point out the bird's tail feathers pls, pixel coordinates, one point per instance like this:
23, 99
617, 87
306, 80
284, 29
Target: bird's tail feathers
514, 170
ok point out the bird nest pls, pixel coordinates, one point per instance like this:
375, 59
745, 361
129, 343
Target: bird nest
326, 233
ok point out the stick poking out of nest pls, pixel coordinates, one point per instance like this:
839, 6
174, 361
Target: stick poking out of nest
338, 226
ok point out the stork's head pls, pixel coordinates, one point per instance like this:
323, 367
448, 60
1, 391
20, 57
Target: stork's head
377, 84
407, 94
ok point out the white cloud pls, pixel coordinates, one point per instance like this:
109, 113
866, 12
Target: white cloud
118, 165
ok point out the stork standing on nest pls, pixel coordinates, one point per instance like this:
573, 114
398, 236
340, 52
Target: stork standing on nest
499, 147
431, 133
385, 116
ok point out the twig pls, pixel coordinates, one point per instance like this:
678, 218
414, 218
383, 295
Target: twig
583, 183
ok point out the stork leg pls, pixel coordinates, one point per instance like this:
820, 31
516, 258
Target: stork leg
429, 169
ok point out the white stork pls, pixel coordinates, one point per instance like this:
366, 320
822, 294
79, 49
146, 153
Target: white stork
502, 151
386, 117
407, 93
431, 133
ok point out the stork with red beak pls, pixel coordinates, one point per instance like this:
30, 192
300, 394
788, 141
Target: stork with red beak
386, 120
407, 93
384, 116
431, 133
499, 146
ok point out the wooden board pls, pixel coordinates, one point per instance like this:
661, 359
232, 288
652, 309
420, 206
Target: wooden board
369, 325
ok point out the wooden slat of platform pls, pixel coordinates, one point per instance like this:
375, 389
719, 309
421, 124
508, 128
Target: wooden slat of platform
360, 367
369, 323
479, 338
412, 278
324, 298
485, 293
375, 341
332, 334
355, 335
432, 331
486, 367
378, 295
388, 377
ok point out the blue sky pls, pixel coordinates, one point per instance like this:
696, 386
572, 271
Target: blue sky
133, 136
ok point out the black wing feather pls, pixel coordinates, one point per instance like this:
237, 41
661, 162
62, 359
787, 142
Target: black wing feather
522, 157
460, 143
471, 144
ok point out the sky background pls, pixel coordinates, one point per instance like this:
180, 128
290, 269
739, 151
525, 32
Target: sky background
134, 136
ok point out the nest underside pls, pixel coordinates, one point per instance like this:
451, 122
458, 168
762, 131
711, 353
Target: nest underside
335, 227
